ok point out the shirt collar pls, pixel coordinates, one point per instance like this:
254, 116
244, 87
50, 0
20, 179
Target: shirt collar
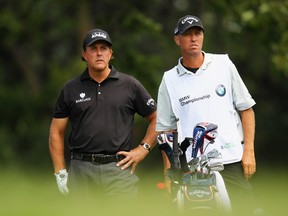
182, 70
114, 74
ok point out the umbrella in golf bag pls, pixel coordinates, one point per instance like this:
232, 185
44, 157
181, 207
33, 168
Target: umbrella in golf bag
169, 144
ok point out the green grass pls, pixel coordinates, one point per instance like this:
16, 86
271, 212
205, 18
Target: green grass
31, 193
271, 191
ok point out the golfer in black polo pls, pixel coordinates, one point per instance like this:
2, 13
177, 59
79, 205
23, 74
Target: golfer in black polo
100, 105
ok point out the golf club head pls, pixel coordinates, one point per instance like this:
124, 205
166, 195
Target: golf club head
165, 138
217, 166
183, 160
198, 140
211, 131
214, 154
165, 143
203, 130
194, 161
186, 143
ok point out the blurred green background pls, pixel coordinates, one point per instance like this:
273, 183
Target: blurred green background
40, 48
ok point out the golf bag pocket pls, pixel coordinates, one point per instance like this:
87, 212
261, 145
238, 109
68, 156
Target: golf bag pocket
199, 189
199, 193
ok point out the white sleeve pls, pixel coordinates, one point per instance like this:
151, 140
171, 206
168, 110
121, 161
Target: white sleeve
166, 119
241, 97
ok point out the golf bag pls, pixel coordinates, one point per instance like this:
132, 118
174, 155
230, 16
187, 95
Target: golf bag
195, 184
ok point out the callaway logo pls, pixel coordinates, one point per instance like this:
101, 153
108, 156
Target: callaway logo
190, 20
98, 34
82, 98
150, 102
199, 193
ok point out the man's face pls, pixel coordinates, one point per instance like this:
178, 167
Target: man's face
191, 41
98, 55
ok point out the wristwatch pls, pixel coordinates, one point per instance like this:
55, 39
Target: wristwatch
146, 146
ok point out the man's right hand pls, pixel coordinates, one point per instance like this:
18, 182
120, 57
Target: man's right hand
62, 178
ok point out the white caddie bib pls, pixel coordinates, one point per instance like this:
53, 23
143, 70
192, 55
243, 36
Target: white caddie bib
207, 97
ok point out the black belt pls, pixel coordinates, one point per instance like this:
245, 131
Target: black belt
96, 158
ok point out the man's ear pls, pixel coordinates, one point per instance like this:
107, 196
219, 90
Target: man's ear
176, 39
111, 57
83, 56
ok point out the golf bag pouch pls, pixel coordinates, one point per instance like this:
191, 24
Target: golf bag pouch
199, 189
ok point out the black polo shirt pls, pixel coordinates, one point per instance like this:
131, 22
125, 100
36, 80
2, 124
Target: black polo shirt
102, 114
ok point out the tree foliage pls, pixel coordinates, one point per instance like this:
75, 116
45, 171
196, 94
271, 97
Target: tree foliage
41, 48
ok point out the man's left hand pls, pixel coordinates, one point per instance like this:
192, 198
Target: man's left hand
134, 157
249, 165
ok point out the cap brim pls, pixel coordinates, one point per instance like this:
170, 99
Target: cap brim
194, 26
98, 40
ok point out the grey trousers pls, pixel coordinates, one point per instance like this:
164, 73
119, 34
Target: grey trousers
103, 180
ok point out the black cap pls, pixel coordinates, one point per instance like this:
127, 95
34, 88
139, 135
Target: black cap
187, 22
96, 35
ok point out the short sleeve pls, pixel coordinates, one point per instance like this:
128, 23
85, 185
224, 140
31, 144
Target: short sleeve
242, 99
144, 103
166, 119
61, 108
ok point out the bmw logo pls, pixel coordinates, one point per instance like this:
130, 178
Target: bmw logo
220, 90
